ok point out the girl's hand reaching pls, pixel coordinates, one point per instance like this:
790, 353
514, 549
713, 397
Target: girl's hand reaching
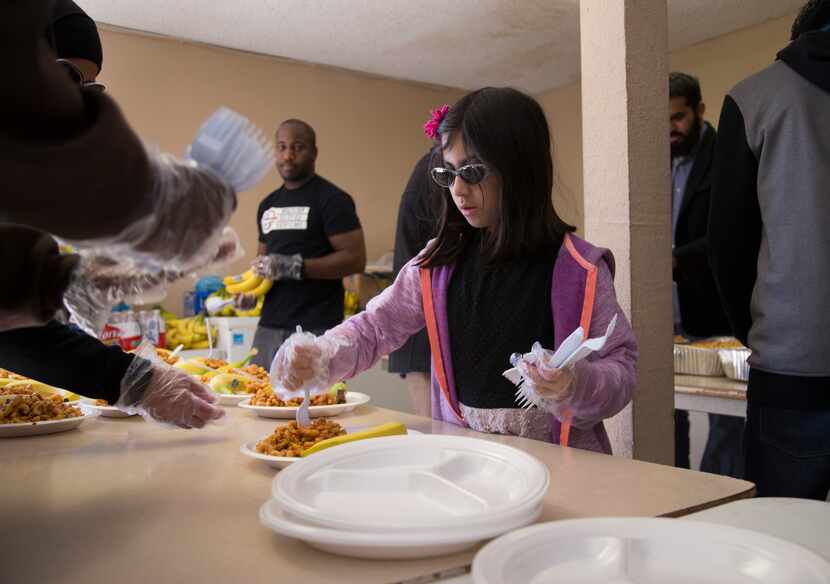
303, 362
293, 369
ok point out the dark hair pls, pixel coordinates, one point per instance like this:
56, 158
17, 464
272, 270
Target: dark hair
312, 135
812, 16
35, 274
685, 85
506, 130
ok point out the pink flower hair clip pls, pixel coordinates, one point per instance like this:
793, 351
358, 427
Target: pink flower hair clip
434, 122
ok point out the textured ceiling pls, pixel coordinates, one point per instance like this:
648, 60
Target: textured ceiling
531, 44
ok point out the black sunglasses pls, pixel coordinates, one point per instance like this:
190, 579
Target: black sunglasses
77, 76
472, 174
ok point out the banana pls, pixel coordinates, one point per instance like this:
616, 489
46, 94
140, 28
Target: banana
389, 429
192, 367
245, 286
263, 288
240, 364
229, 384
232, 280
200, 345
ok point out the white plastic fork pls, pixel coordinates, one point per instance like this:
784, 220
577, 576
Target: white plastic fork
303, 417
233, 148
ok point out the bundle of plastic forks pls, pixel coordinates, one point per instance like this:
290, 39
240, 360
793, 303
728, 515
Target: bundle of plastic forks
233, 148
572, 350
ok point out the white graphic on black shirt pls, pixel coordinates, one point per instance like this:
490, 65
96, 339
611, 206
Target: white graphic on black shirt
282, 218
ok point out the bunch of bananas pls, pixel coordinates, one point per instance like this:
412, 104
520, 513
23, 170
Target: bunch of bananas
248, 283
190, 332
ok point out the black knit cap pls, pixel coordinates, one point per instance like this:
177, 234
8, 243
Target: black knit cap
73, 34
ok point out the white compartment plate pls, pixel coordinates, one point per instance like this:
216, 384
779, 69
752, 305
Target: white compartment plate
381, 546
48, 427
353, 399
413, 483
645, 551
104, 411
225, 399
249, 449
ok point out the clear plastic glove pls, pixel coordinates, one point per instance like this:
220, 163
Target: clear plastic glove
549, 383
100, 282
279, 266
161, 393
542, 384
303, 362
190, 201
182, 230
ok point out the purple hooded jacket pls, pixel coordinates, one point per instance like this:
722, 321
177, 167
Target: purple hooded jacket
582, 294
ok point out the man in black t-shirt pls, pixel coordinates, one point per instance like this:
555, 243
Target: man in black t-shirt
309, 239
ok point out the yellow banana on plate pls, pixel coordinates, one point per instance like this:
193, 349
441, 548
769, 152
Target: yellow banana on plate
388, 429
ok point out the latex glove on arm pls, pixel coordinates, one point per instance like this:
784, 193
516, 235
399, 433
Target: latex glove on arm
356, 344
158, 392
348, 257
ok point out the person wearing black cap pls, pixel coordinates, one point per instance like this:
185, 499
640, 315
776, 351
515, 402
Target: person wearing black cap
73, 35
69, 154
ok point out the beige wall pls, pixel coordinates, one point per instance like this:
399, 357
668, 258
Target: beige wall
369, 129
564, 111
167, 88
719, 64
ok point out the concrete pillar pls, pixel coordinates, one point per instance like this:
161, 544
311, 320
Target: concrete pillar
627, 197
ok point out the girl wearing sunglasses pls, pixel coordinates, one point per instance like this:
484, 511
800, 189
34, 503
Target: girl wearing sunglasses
503, 272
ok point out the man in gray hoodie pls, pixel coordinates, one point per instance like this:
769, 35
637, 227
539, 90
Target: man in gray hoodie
769, 245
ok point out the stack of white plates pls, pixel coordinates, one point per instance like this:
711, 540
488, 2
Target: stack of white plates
645, 551
406, 496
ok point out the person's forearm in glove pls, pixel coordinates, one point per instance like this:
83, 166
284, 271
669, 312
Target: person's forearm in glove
303, 362
164, 394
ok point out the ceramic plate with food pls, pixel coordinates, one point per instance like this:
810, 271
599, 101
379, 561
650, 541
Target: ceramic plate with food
351, 400
285, 445
33, 414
